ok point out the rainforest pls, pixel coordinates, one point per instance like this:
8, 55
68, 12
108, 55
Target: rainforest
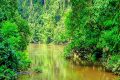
59, 40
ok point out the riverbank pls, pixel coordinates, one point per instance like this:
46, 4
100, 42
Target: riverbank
75, 58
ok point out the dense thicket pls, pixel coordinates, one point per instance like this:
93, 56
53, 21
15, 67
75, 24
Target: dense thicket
14, 32
94, 31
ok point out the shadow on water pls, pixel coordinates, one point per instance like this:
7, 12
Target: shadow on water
49, 59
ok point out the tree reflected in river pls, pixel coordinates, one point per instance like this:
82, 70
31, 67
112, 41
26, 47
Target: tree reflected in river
49, 58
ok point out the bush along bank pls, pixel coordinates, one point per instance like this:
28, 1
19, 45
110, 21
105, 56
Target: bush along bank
14, 33
93, 29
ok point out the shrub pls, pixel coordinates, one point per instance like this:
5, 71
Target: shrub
24, 32
110, 39
11, 57
113, 64
6, 73
14, 34
38, 69
23, 61
9, 44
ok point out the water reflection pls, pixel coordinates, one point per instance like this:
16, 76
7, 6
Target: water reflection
55, 67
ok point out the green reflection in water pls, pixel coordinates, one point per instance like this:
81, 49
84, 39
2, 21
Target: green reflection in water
50, 59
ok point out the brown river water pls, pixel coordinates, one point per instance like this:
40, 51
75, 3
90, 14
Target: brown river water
50, 59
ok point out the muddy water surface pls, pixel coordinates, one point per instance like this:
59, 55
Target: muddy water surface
49, 59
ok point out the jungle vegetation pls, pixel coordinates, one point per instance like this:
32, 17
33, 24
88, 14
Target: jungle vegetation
89, 28
14, 34
93, 27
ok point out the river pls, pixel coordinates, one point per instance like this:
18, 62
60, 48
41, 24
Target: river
49, 58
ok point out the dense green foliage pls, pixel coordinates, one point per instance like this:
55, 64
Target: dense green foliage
14, 33
46, 20
94, 31
7, 9
114, 64
90, 27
